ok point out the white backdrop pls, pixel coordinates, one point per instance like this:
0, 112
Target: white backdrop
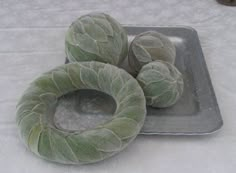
32, 41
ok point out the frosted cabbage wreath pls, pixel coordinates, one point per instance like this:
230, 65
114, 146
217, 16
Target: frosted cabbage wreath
41, 136
150, 46
98, 37
162, 83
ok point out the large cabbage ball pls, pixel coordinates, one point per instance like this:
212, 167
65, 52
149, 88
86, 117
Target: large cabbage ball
150, 46
98, 37
162, 83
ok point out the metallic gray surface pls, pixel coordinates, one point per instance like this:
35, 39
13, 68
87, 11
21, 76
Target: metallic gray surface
197, 112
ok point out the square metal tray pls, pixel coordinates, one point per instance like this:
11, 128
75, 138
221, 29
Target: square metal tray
197, 111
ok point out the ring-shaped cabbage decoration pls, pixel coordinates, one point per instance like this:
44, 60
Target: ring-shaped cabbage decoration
44, 139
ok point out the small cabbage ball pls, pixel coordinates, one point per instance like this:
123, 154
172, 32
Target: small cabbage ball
150, 46
96, 37
162, 83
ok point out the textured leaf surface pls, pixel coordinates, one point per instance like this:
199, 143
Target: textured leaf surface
27, 123
132, 112
83, 149
150, 46
46, 83
162, 83
116, 85
45, 146
34, 138
89, 78
62, 149
149, 41
141, 54
123, 127
86, 43
96, 36
44, 139
74, 75
104, 139
105, 25
62, 81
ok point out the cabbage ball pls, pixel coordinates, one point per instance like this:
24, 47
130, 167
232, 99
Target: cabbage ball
150, 46
96, 37
162, 83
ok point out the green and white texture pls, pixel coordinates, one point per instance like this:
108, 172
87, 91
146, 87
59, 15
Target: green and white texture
150, 46
162, 83
40, 135
96, 37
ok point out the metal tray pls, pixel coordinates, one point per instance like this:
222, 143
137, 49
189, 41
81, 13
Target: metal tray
197, 112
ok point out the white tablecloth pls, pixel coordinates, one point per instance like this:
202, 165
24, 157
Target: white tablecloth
32, 41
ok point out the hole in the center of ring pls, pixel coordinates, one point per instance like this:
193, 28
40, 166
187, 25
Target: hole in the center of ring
83, 109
